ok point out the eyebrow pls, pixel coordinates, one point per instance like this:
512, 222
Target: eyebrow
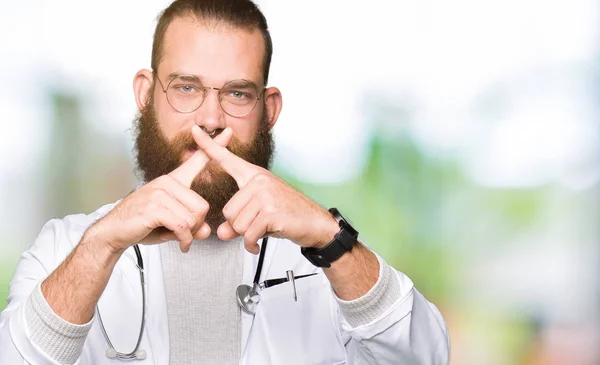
194, 78
244, 83
189, 77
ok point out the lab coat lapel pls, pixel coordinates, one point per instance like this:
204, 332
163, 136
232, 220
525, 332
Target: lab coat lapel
250, 263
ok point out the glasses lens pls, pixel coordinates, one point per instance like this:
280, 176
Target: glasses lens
185, 93
238, 97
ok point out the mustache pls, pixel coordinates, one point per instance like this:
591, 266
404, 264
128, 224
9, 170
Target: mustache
185, 141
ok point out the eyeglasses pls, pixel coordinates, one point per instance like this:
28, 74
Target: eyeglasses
185, 93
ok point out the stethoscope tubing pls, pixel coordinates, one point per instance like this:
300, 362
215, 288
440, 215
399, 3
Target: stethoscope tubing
131, 355
261, 259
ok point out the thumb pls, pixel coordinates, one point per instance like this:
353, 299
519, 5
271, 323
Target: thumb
226, 232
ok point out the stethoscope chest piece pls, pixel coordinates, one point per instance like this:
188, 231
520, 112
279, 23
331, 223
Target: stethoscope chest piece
247, 298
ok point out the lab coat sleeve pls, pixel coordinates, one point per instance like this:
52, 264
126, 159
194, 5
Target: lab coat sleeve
18, 333
393, 324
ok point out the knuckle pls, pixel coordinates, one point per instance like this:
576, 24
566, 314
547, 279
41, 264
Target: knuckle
249, 240
158, 194
261, 179
227, 212
276, 227
193, 222
183, 225
238, 227
152, 208
265, 197
269, 210
203, 206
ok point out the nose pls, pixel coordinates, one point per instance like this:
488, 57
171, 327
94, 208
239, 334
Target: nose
210, 117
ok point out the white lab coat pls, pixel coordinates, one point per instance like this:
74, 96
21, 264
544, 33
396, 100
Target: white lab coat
309, 331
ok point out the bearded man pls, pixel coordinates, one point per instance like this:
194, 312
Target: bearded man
212, 259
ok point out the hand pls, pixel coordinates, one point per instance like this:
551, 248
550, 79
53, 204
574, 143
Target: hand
265, 205
163, 209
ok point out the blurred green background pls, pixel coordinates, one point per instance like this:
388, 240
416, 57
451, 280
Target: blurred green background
461, 138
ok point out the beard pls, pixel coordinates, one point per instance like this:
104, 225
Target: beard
157, 156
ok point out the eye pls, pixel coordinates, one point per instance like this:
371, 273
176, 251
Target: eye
236, 94
186, 88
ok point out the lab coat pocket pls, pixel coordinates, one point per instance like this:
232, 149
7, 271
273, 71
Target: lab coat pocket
302, 331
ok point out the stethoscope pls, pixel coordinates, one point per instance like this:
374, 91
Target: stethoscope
247, 298
137, 353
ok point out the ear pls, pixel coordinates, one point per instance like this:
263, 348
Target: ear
273, 104
142, 86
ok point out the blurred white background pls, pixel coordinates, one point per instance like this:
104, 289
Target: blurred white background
506, 93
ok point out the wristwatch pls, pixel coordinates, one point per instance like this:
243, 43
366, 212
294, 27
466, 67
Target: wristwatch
341, 243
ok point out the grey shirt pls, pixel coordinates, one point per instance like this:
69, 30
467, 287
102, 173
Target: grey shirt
204, 318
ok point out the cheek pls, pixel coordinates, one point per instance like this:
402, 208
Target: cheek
169, 120
244, 129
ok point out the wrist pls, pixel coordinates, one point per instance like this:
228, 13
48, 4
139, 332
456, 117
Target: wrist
327, 251
354, 273
108, 248
330, 228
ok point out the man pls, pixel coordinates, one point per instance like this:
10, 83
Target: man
204, 147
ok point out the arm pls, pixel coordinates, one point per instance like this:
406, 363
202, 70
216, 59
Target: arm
21, 322
86, 271
48, 325
388, 321
166, 202
393, 324
355, 272
74, 288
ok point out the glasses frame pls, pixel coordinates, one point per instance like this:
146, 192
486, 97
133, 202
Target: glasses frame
204, 92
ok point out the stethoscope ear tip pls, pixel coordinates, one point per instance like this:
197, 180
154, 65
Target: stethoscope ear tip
110, 353
140, 354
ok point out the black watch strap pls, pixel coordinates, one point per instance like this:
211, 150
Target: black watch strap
343, 242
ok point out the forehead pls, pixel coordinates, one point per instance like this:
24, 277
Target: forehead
214, 52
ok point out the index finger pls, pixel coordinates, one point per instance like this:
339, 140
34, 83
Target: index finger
241, 170
187, 171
